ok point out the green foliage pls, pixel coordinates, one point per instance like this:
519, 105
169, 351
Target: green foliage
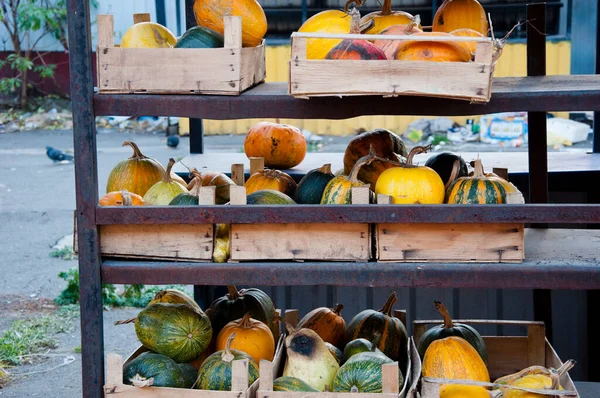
66, 253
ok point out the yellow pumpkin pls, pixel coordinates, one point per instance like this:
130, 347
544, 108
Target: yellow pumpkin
329, 21
410, 184
454, 358
457, 14
210, 13
271, 179
458, 391
386, 17
148, 35
251, 336
533, 381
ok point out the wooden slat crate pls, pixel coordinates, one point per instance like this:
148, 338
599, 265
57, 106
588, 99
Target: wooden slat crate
470, 81
506, 354
221, 71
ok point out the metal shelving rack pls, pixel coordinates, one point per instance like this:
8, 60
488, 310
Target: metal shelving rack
536, 94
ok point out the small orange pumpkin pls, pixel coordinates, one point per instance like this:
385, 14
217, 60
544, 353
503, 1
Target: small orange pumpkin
251, 336
281, 145
355, 49
121, 198
457, 14
470, 46
271, 179
386, 17
327, 323
390, 47
430, 50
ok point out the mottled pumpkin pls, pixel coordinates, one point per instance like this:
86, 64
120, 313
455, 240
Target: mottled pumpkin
431, 50
386, 17
251, 336
121, 198
271, 179
215, 179
477, 189
390, 47
457, 14
281, 146
355, 49
136, 174
327, 323
328, 21
339, 190
173, 296
454, 358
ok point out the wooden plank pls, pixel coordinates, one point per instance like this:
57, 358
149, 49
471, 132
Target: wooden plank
176, 241
237, 195
360, 195
141, 17
239, 375
237, 173
506, 355
114, 369
106, 31
256, 164
207, 195
253, 67
484, 53
300, 242
464, 242
389, 378
536, 344
232, 32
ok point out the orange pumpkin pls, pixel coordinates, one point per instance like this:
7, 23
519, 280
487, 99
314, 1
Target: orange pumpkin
390, 47
429, 50
136, 174
271, 179
210, 13
327, 323
386, 17
470, 46
454, 358
355, 49
251, 336
328, 21
281, 145
121, 198
457, 14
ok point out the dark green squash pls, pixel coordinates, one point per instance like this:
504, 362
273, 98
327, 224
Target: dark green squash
215, 372
310, 188
174, 330
363, 373
336, 352
356, 347
442, 163
371, 325
163, 371
236, 304
200, 37
269, 197
291, 384
448, 329
189, 198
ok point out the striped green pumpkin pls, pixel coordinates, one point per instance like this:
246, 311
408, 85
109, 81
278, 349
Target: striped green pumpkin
339, 190
356, 347
163, 371
478, 189
215, 372
363, 373
288, 383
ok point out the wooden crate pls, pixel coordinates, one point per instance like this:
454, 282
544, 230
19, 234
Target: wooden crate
506, 354
493, 243
470, 81
221, 71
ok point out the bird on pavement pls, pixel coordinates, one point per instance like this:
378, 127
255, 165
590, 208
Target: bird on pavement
57, 155
172, 141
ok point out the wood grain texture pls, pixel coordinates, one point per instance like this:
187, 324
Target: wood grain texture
450, 242
327, 242
237, 195
256, 164
232, 32
237, 173
536, 339
106, 31
187, 242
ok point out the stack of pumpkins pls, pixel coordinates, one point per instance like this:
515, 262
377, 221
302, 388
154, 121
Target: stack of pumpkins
188, 348
325, 355
209, 32
453, 18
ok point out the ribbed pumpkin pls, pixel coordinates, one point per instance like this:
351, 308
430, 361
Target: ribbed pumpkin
470, 46
311, 186
269, 197
371, 324
271, 179
327, 322
215, 372
443, 163
329, 21
363, 373
430, 50
190, 198
450, 328
200, 37
477, 189
282, 146
509, 187
386, 17
251, 336
456, 14
390, 47
155, 370
236, 304
215, 179
175, 330
454, 358
172, 296
148, 35
136, 174
163, 192
410, 184
121, 198
386, 145
290, 384
210, 13
355, 49
339, 189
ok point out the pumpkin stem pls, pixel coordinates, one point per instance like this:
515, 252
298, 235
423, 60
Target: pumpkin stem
414, 22
386, 8
167, 176
355, 24
357, 3
325, 169
227, 355
389, 304
277, 121
126, 197
338, 309
366, 160
454, 174
125, 321
445, 314
415, 151
195, 173
478, 169
245, 323
158, 296
233, 292
137, 154
565, 367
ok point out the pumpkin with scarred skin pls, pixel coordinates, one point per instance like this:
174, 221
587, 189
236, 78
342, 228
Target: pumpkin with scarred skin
281, 146
355, 49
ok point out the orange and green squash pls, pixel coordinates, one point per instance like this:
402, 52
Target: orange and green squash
454, 358
327, 323
172, 296
457, 14
215, 179
251, 336
311, 187
136, 174
355, 49
339, 190
478, 189
121, 198
282, 146
271, 179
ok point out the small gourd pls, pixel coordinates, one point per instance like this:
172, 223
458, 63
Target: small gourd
476, 189
271, 179
215, 179
163, 192
136, 174
252, 337
148, 35
281, 146
327, 323
190, 198
121, 198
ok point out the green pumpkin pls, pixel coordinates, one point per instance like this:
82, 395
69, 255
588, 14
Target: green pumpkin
449, 328
442, 163
291, 384
336, 352
269, 197
215, 372
189, 198
381, 325
478, 189
310, 189
363, 373
339, 189
236, 304
174, 330
164, 371
200, 37
356, 347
